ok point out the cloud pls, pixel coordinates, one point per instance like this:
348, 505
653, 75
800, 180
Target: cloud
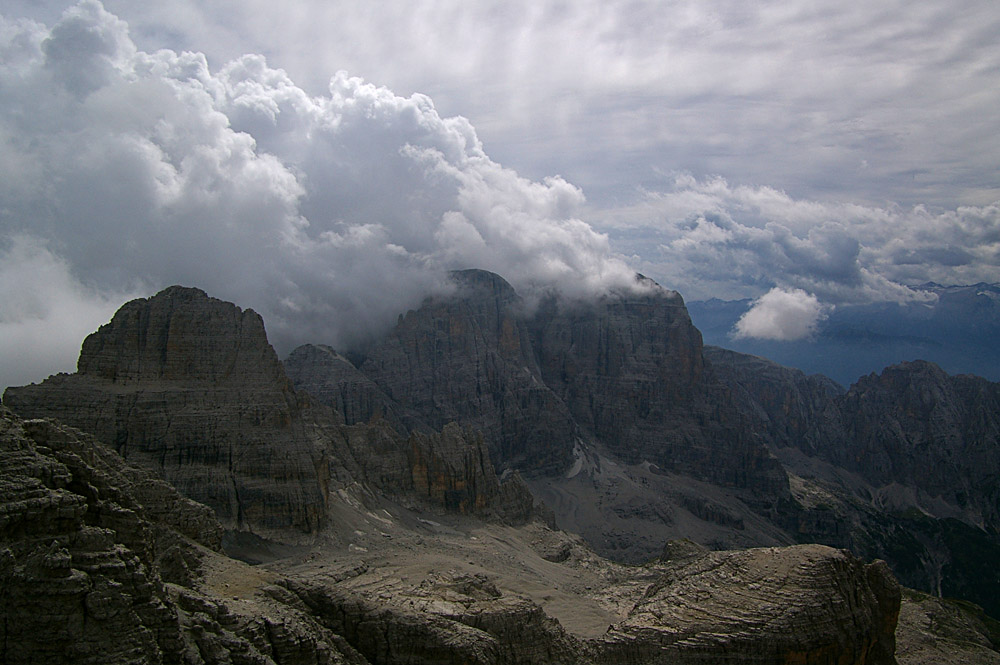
782, 316
870, 101
329, 214
46, 312
716, 239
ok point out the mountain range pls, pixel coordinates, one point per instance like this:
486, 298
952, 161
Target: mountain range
483, 428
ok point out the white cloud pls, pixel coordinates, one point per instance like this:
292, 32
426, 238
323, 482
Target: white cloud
328, 214
46, 312
782, 316
869, 101
716, 239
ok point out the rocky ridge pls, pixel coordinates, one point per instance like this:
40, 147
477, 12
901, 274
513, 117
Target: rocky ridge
568, 393
189, 386
901, 466
94, 570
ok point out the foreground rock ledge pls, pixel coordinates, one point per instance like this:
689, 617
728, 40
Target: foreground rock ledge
101, 563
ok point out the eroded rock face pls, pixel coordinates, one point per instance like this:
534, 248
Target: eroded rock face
775, 605
630, 369
334, 380
917, 426
188, 385
788, 406
902, 466
469, 358
98, 565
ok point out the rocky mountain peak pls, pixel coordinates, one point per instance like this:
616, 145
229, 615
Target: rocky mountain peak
181, 333
476, 283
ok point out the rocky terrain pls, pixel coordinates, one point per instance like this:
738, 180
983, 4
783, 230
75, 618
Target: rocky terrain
102, 563
901, 466
391, 490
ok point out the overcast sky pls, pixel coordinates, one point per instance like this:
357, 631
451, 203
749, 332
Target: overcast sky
324, 162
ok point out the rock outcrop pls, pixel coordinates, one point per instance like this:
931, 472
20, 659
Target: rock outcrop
102, 563
786, 606
562, 386
916, 426
468, 358
188, 386
630, 369
902, 466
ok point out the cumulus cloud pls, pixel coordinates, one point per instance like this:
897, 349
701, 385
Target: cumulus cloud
716, 239
782, 316
329, 214
891, 100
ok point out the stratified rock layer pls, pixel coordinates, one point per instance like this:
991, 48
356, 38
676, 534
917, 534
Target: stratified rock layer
793, 596
188, 385
469, 358
902, 466
629, 366
99, 564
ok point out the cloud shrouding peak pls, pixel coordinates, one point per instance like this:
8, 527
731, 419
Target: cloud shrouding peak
781, 315
328, 214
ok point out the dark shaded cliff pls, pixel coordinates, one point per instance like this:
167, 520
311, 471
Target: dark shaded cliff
902, 466
188, 386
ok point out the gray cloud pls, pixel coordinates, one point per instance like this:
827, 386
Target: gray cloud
873, 101
723, 240
328, 214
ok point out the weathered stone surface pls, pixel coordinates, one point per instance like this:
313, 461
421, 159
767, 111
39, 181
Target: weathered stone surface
804, 604
492, 600
468, 358
630, 368
789, 407
919, 427
450, 469
188, 385
903, 466
82, 582
933, 631
87, 545
334, 380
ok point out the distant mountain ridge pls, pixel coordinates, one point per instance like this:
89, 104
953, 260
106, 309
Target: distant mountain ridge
957, 332
614, 413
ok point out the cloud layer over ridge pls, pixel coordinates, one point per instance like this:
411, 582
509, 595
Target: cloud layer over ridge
124, 171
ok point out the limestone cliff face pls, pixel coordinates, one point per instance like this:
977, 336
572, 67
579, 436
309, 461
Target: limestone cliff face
917, 426
334, 380
468, 358
188, 385
902, 466
630, 368
787, 406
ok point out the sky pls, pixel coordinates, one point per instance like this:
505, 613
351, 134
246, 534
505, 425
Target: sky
326, 163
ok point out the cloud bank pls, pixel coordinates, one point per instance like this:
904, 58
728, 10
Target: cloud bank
716, 239
123, 171
871, 101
